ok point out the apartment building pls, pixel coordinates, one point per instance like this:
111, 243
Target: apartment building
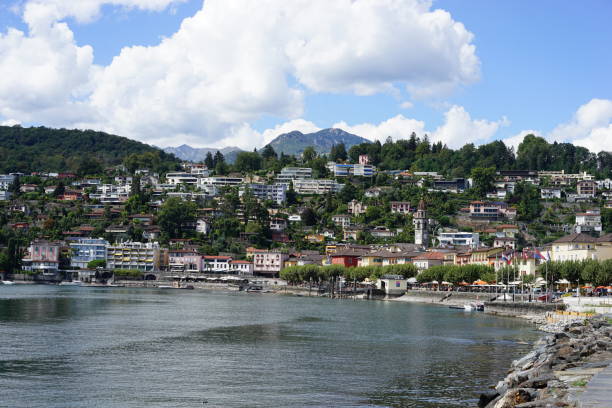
85, 250
268, 263
587, 188
316, 186
589, 221
134, 255
276, 192
294, 173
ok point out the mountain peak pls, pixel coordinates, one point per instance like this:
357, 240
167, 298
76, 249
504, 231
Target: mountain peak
295, 142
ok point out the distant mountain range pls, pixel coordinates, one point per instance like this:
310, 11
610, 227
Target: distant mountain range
289, 143
197, 154
295, 142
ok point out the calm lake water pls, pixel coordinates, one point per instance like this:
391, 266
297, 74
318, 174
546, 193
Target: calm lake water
119, 347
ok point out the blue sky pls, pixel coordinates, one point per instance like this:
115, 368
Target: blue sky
539, 63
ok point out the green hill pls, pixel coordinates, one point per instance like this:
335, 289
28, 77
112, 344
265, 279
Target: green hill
80, 151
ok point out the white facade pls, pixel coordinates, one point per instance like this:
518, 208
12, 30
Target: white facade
220, 181
588, 221
317, 186
182, 178
459, 238
550, 193
294, 173
276, 192
216, 264
244, 268
344, 221
6, 180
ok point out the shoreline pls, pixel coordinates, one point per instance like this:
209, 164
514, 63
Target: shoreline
558, 370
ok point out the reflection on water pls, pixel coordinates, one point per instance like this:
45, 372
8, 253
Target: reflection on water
74, 347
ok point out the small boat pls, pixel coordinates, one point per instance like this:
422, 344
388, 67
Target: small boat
474, 307
6, 282
255, 289
71, 283
166, 287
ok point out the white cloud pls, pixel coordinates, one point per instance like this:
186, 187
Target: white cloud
406, 105
9, 122
45, 12
459, 128
228, 65
398, 127
590, 127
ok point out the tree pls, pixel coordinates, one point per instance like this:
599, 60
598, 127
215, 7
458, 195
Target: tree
97, 263
209, 161
247, 162
338, 152
219, 158
309, 217
483, 178
527, 198
59, 190
268, 152
348, 193
309, 154
174, 216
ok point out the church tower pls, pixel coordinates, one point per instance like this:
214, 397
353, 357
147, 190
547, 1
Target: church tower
421, 225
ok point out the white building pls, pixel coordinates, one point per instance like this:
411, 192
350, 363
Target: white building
589, 221
178, 178
244, 268
111, 193
220, 181
392, 284
342, 220
345, 170
6, 180
548, 193
317, 186
294, 173
459, 238
216, 264
276, 192
356, 207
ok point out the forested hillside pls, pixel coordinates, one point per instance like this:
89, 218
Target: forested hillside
78, 151
534, 153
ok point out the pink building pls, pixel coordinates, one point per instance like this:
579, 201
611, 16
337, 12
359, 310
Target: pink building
184, 260
402, 207
43, 256
364, 159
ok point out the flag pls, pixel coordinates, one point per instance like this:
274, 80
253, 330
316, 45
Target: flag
507, 258
538, 255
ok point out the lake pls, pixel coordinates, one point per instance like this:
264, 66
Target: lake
123, 347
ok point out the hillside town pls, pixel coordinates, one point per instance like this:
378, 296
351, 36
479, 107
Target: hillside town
142, 225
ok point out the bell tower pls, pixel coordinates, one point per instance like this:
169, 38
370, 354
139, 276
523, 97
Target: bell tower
421, 225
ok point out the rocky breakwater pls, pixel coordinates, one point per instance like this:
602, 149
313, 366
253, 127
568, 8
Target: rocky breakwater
556, 371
